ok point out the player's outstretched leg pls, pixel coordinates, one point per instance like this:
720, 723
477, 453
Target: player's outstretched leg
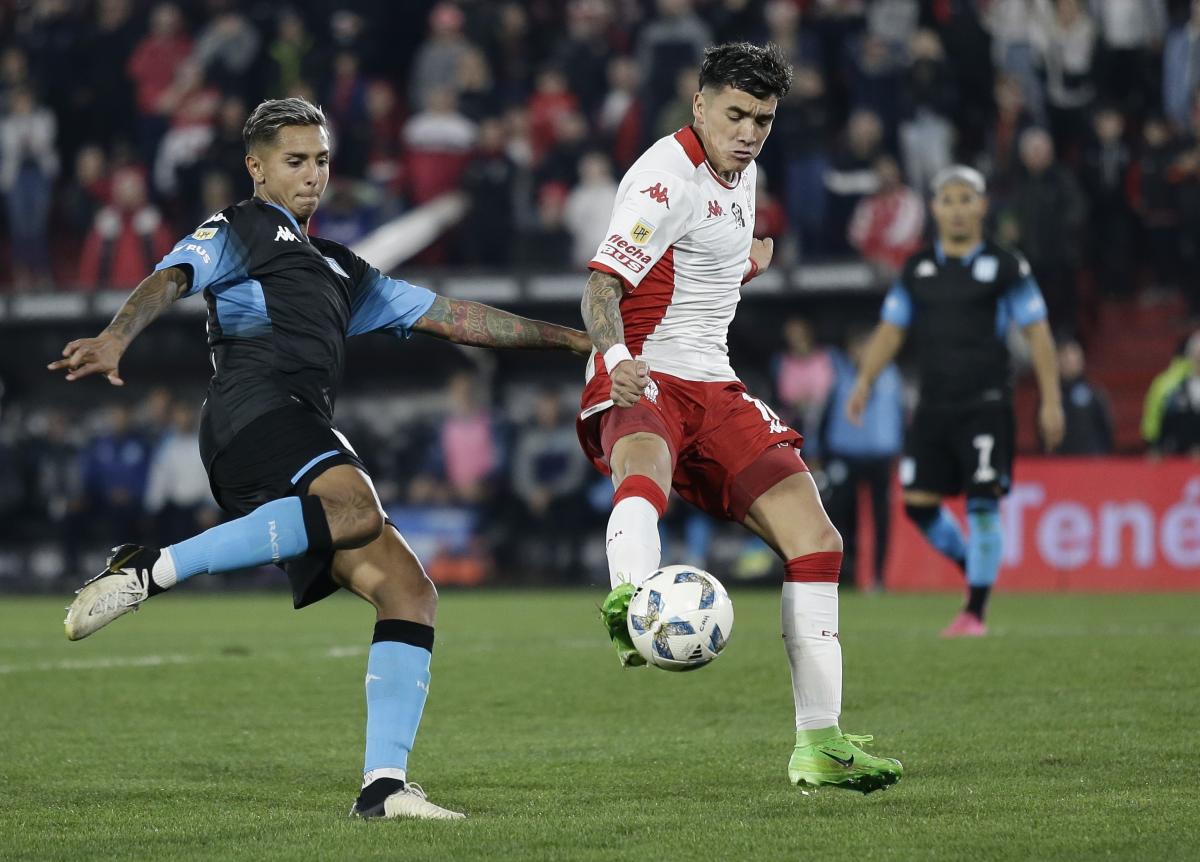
790, 518
824, 755
276, 531
633, 550
388, 575
984, 551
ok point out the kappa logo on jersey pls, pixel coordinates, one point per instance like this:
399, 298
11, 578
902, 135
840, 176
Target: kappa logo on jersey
738, 216
625, 253
285, 234
926, 269
216, 217
205, 233
714, 209
658, 194
641, 233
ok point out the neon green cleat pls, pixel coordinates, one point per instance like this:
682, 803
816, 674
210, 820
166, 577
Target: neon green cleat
614, 613
830, 758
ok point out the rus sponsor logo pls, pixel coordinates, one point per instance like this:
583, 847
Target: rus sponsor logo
197, 249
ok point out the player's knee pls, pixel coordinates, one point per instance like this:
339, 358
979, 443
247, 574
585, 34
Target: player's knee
827, 538
405, 595
643, 454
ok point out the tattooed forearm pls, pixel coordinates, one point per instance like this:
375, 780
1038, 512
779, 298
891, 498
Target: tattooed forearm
602, 310
148, 300
466, 322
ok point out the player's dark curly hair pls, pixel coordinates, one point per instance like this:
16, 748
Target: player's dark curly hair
265, 121
760, 70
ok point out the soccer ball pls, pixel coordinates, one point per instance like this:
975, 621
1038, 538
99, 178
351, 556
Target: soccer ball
680, 618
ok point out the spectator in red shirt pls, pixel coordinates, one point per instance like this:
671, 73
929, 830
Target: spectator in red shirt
152, 68
888, 226
439, 142
549, 102
127, 239
770, 220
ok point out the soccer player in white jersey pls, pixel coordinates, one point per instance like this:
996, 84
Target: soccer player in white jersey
662, 407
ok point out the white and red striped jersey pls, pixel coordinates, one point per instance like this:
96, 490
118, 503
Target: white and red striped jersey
679, 238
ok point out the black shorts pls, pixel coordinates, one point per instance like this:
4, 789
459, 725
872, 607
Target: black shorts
951, 450
279, 455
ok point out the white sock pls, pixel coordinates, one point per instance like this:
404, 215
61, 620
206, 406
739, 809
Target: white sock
810, 625
163, 572
389, 772
631, 541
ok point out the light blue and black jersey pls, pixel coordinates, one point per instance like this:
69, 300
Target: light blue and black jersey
957, 312
280, 308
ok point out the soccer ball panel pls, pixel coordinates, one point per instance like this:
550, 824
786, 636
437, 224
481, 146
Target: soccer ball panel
680, 618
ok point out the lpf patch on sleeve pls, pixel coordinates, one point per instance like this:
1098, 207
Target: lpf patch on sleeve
641, 233
205, 233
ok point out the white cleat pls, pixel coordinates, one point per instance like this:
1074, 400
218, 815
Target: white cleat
113, 593
408, 800
412, 802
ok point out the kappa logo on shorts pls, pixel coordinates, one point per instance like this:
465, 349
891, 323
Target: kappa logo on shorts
650, 393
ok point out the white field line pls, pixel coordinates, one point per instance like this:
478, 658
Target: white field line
354, 651
160, 660
118, 662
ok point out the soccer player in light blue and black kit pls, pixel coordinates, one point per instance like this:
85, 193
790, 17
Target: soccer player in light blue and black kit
956, 300
281, 305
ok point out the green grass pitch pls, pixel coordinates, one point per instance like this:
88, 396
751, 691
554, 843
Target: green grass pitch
230, 727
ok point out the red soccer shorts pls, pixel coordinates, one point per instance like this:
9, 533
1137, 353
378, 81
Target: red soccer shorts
727, 447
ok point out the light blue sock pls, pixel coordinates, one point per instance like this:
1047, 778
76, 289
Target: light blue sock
397, 685
271, 533
945, 535
985, 546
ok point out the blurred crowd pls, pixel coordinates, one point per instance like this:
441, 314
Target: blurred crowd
486, 479
508, 477
120, 124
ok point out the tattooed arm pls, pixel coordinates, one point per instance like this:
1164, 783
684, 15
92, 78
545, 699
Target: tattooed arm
100, 355
466, 322
601, 309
